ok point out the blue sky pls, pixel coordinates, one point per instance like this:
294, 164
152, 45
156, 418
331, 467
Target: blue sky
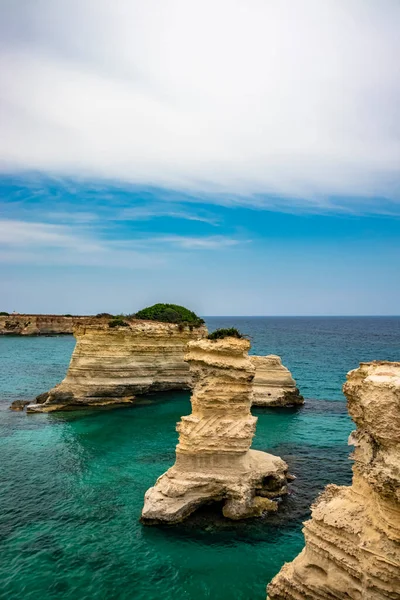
77, 247
240, 157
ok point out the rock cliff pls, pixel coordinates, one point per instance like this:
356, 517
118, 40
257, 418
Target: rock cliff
352, 546
112, 365
213, 460
273, 383
43, 324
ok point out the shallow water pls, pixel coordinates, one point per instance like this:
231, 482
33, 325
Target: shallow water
72, 484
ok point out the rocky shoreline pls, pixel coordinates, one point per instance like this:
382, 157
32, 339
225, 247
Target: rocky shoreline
47, 325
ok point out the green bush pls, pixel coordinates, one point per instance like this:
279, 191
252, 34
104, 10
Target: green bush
169, 313
105, 315
118, 323
220, 334
4, 314
67, 315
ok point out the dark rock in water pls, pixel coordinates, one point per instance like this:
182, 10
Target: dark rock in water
19, 404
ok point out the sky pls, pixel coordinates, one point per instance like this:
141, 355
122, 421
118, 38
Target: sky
239, 157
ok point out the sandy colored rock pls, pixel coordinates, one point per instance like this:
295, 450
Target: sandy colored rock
44, 324
352, 546
213, 457
273, 383
113, 365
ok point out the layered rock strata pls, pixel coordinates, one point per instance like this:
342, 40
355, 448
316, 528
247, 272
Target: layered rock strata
352, 546
113, 365
273, 383
44, 324
213, 457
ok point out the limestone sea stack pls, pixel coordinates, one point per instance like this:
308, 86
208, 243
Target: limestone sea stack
352, 546
273, 383
213, 459
111, 365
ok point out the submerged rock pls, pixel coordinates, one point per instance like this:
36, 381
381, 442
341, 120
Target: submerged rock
273, 383
19, 404
213, 459
111, 365
352, 546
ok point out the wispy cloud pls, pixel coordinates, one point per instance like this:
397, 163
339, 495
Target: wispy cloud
212, 242
72, 217
23, 242
22, 233
301, 100
171, 211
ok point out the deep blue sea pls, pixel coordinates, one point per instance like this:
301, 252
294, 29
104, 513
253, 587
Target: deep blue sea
72, 484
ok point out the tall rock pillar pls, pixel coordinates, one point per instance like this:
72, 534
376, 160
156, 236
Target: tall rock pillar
213, 457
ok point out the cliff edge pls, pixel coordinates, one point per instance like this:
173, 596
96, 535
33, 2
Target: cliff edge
44, 324
113, 365
352, 548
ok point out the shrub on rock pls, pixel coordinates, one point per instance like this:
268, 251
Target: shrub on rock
220, 334
169, 313
118, 323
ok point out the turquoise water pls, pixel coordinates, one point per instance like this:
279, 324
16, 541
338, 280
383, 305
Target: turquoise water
72, 484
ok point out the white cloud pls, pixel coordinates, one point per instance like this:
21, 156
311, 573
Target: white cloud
151, 212
24, 233
23, 242
235, 96
210, 242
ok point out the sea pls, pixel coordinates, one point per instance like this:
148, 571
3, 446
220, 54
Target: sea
72, 484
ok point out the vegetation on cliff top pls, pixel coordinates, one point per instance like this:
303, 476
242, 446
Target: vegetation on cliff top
4, 314
169, 313
118, 322
220, 334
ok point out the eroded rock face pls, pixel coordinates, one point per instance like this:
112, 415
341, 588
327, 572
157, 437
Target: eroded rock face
112, 365
44, 324
213, 457
273, 383
352, 546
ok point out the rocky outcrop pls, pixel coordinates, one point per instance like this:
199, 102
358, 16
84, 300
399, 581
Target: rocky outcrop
44, 324
273, 383
213, 459
18, 405
352, 546
113, 365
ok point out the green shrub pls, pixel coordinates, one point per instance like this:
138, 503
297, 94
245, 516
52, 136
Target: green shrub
118, 323
220, 334
67, 315
105, 315
169, 313
4, 314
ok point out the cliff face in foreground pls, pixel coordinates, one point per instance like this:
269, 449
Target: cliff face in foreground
112, 365
213, 460
273, 383
352, 546
44, 324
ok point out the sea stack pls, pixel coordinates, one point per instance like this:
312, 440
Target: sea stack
273, 383
352, 546
213, 457
111, 365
